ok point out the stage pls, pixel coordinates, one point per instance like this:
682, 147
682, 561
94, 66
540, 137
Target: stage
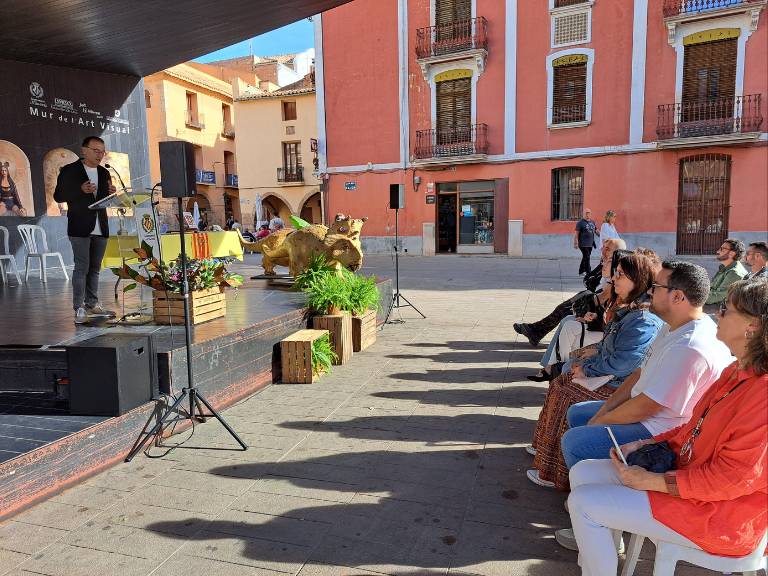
44, 449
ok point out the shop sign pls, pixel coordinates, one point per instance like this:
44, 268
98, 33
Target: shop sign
350, 185
431, 199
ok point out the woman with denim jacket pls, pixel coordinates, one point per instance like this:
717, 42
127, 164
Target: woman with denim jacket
628, 334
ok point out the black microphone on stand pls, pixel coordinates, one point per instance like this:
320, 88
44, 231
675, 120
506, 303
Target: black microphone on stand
122, 184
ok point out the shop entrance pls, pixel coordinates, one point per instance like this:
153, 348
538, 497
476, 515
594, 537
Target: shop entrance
446, 223
465, 217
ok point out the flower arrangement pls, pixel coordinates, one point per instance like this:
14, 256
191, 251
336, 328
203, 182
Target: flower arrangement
202, 273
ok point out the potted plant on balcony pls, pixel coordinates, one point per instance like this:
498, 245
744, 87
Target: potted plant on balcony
206, 278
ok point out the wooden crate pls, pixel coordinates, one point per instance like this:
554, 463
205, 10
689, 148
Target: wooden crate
363, 331
204, 305
296, 356
340, 329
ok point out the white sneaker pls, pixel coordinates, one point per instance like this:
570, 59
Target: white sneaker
533, 476
81, 316
98, 310
531, 450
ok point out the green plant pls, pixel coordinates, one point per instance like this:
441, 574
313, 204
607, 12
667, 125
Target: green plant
329, 291
318, 266
201, 273
364, 293
323, 355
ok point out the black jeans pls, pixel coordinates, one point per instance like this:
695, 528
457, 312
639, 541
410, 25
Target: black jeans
585, 266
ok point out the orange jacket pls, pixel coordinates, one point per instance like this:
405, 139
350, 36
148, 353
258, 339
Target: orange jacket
723, 503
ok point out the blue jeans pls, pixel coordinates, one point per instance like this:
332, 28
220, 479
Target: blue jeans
583, 442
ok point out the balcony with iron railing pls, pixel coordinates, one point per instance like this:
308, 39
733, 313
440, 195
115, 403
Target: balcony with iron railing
458, 144
205, 177
290, 175
699, 8
230, 180
228, 132
732, 118
445, 41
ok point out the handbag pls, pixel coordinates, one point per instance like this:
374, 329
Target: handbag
588, 303
657, 458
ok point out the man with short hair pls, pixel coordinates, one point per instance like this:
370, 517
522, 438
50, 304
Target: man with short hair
683, 362
80, 184
584, 239
730, 270
757, 258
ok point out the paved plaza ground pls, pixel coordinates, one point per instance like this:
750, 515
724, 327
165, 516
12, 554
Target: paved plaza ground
408, 460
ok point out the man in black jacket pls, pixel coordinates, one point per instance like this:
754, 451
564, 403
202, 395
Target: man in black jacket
535, 331
80, 184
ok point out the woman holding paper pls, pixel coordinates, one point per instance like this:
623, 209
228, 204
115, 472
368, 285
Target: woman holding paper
596, 376
715, 498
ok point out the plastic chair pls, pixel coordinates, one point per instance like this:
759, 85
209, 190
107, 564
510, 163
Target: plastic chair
668, 555
6, 255
29, 233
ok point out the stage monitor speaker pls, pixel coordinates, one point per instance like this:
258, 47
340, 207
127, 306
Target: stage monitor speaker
177, 168
111, 374
396, 196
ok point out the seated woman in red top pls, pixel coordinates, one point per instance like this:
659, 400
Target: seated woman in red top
716, 497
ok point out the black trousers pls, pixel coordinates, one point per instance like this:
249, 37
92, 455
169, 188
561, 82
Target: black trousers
585, 265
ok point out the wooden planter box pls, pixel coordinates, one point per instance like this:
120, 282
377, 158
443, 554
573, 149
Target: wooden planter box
363, 330
204, 305
296, 356
340, 329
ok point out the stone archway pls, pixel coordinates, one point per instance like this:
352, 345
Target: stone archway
271, 206
311, 209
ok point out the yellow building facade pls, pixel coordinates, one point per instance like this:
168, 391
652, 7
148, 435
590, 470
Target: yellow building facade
275, 145
185, 103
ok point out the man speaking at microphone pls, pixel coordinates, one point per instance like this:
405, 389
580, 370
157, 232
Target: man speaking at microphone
80, 184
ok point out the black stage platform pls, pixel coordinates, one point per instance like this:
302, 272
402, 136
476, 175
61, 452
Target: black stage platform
44, 449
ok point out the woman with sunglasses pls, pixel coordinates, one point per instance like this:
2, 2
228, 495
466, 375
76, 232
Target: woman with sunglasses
715, 498
628, 333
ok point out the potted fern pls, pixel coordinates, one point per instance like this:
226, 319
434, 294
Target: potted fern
323, 355
364, 301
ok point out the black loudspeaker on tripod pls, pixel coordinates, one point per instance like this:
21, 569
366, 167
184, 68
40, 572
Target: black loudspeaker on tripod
177, 171
396, 202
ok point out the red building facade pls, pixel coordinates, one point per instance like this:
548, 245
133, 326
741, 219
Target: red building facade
504, 119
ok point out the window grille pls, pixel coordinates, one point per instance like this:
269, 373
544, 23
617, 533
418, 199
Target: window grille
571, 28
567, 193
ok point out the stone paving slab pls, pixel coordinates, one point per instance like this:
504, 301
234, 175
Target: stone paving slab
409, 460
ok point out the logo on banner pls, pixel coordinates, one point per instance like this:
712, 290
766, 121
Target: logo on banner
147, 224
36, 90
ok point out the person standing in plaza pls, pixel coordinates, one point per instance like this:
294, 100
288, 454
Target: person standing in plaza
584, 239
608, 228
80, 184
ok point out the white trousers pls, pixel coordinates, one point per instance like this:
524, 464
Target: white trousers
599, 503
570, 339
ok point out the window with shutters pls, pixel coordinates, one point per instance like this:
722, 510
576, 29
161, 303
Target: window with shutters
569, 89
289, 111
567, 193
709, 86
454, 110
292, 168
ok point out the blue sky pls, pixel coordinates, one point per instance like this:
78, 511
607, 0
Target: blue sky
295, 37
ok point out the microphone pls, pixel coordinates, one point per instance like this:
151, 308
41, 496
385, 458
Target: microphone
108, 167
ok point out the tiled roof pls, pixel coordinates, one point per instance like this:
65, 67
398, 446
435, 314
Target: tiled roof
304, 86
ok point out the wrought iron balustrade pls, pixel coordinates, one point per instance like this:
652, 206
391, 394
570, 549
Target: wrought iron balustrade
458, 36
456, 141
716, 116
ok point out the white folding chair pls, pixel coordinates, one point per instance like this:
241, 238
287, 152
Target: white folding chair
6, 255
668, 555
29, 234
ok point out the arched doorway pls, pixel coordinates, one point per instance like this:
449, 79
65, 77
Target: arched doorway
311, 210
271, 207
205, 209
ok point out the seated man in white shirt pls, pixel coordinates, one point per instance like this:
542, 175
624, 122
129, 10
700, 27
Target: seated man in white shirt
683, 362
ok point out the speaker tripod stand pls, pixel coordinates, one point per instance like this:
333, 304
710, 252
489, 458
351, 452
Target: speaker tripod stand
175, 413
397, 297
